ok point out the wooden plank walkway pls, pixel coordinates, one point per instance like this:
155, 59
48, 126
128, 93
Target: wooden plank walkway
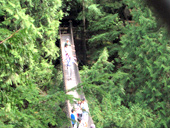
69, 84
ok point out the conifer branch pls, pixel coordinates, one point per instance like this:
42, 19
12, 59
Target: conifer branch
10, 36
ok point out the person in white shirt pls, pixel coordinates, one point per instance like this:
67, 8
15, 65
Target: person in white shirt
82, 124
92, 126
67, 50
85, 109
70, 60
84, 105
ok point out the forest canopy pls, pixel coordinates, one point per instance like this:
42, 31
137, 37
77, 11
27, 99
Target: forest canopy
126, 79
31, 94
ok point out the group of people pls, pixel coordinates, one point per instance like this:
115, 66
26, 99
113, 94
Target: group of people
79, 115
69, 58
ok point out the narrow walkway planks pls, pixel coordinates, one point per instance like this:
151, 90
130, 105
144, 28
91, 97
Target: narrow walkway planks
69, 84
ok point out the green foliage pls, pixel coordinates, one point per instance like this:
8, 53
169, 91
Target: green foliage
106, 26
105, 96
30, 92
129, 86
103, 24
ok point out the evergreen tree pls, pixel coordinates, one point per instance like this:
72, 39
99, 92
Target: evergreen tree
105, 94
28, 77
135, 91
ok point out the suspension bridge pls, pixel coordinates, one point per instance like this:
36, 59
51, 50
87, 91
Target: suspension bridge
67, 33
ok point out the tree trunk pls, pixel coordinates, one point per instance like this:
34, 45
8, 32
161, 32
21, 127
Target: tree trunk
84, 34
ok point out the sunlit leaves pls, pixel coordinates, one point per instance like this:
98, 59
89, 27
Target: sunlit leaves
140, 81
27, 73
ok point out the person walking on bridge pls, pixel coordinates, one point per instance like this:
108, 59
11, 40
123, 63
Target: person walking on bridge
67, 49
70, 60
73, 118
92, 126
67, 42
82, 123
85, 110
78, 109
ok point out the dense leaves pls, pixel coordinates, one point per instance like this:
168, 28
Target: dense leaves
30, 95
127, 78
130, 87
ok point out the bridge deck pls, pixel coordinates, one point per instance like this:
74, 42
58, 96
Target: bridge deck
69, 84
